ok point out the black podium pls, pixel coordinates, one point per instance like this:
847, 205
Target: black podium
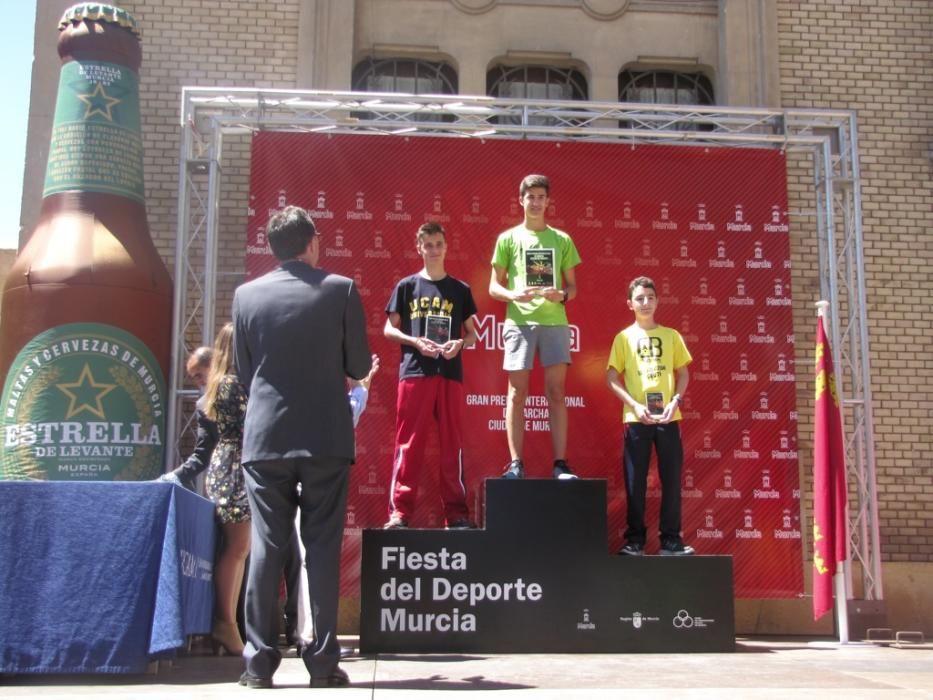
538, 579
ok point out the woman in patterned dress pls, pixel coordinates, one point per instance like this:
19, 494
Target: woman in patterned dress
225, 404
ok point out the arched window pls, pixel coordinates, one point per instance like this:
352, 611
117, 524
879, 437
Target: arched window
412, 76
665, 87
536, 83
409, 75
531, 82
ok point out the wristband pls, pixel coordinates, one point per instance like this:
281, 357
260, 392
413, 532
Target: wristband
566, 296
679, 399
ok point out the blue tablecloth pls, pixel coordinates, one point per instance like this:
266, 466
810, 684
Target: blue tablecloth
98, 577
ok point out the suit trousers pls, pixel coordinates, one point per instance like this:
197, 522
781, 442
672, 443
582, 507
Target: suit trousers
272, 487
293, 572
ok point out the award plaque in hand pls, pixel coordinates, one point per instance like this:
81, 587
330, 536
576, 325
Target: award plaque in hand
654, 400
437, 329
539, 267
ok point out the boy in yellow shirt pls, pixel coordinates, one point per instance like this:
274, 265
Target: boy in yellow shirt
647, 370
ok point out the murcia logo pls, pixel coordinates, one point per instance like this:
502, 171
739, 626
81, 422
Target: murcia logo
639, 619
586, 623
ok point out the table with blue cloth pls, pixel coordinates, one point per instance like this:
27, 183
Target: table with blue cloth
101, 577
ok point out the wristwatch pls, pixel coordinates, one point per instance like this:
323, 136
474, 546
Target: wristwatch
566, 296
678, 398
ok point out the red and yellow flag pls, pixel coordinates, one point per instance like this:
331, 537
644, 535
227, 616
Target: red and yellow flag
829, 480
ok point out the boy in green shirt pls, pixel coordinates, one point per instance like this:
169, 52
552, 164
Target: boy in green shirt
647, 370
533, 271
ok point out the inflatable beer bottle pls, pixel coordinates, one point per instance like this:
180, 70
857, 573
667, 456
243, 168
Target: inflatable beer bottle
85, 330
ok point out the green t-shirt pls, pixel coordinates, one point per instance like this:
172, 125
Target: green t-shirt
510, 255
646, 361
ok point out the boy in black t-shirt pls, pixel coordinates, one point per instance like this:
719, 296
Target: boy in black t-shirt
427, 314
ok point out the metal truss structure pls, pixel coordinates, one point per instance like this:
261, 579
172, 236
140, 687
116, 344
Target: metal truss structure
827, 138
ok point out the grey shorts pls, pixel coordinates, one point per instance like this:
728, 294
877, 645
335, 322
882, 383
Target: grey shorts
551, 343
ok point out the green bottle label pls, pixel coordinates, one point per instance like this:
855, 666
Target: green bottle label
83, 401
96, 144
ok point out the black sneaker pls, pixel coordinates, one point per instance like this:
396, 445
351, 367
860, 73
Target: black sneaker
562, 471
461, 524
676, 548
632, 549
514, 470
251, 681
396, 522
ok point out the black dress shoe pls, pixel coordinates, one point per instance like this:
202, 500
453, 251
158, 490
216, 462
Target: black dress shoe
251, 681
337, 679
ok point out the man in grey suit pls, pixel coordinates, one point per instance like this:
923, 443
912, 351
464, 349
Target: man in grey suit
299, 332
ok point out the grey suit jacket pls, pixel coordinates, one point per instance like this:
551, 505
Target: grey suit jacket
299, 332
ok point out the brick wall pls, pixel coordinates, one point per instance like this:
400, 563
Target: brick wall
215, 44
207, 44
875, 58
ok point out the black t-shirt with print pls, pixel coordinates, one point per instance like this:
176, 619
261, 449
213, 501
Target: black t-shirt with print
417, 298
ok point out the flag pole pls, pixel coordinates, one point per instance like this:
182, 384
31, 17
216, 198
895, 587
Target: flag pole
839, 578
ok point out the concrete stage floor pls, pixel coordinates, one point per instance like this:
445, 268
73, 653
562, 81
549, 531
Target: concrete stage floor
780, 668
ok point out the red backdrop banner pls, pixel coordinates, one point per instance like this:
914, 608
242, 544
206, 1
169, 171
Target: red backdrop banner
709, 225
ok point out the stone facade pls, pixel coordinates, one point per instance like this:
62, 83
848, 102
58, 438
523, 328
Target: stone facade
840, 54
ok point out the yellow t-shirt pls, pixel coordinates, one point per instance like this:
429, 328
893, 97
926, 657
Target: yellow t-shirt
646, 361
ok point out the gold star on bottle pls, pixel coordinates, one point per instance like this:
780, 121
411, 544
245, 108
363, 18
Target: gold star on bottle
85, 394
99, 102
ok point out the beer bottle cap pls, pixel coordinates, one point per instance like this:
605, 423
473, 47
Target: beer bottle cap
99, 12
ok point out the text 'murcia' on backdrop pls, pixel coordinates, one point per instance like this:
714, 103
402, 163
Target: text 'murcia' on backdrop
709, 225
